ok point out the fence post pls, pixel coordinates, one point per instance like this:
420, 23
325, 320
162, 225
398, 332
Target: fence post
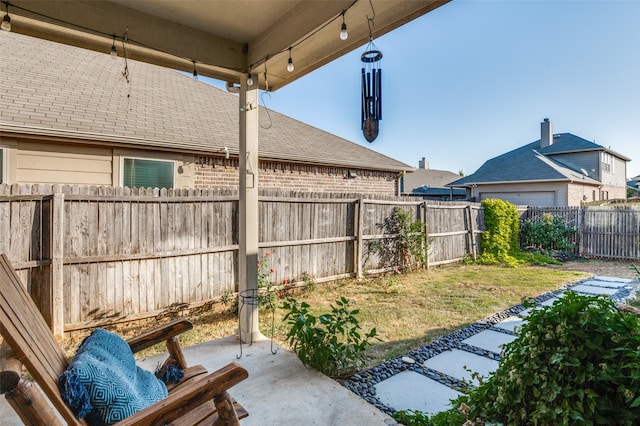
472, 233
580, 230
56, 270
426, 233
359, 243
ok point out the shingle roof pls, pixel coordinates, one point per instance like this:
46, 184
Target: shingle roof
56, 90
429, 177
532, 163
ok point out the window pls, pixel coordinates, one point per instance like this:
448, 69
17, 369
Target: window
147, 173
607, 161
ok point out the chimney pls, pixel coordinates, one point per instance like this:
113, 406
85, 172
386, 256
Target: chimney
423, 164
546, 133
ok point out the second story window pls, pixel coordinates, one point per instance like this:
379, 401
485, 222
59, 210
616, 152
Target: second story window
607, 162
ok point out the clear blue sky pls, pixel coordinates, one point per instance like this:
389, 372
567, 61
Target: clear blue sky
474, 79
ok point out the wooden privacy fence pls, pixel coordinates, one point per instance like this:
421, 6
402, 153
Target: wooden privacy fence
99, 255
94, 256
611, 232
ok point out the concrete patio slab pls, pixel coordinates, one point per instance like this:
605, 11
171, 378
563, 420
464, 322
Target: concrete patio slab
490, 340
456, 362
279, 390
511, 324
409, 390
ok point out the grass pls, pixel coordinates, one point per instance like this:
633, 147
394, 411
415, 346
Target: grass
412, 309
408, 310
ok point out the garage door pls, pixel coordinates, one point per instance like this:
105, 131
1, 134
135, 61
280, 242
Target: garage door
539, 198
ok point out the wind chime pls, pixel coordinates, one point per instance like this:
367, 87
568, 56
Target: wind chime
371, 88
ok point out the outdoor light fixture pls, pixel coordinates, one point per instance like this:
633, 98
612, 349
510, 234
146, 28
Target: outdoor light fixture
343, 32
290, 66
6, 21
195, 71
114, 51
249, 80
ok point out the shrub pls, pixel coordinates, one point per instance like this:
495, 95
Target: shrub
576, 362
547, 232
404, 245
500, 238
331, 342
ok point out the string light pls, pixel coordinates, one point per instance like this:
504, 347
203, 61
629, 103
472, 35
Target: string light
290, 66
6, 21
343, 31
195, 71
114, 51
6, 26
249, 80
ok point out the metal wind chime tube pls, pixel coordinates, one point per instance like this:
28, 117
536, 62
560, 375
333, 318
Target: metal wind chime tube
371, 92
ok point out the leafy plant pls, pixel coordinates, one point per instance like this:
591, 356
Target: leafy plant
332, 342
547, 232
266, 286
230, 299
419, 418
500, 239
309, 283
576, 362
404, 243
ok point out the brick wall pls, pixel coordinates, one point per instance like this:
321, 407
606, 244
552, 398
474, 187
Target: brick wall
221, 173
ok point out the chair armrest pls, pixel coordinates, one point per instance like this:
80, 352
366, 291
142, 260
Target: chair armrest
186, 399
159, 334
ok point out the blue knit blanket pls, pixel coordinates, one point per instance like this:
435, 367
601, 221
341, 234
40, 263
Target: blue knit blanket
103, 383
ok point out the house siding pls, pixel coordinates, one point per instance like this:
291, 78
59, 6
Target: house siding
36, 162
589, 161
76, 164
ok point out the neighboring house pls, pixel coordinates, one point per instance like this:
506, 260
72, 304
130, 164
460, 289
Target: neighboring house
431, 184
74, 116
557, 170
634, 184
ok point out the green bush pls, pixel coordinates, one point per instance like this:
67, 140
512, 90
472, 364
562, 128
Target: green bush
547, 232
405, 246
576, 362
418, 418
500, 240
331, 343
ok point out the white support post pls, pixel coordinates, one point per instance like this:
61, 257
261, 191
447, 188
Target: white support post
248, 232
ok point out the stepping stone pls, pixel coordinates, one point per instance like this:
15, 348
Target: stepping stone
453, 363
610, 284
613, 279
512, 324
550, 302
591, 290
490, 340
409, 390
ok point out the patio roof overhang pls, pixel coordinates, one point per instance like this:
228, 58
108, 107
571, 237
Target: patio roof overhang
225, 38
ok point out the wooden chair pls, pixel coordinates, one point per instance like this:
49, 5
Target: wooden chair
200, 398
